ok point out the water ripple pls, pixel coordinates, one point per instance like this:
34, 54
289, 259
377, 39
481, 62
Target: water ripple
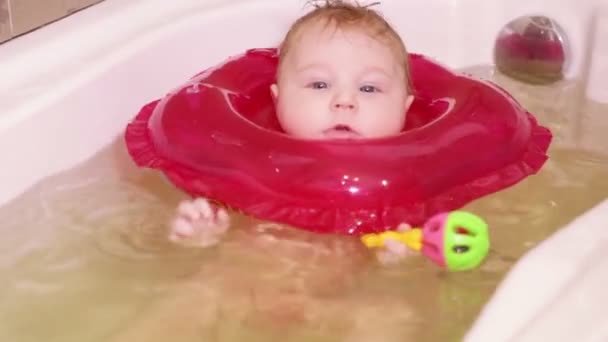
123, 220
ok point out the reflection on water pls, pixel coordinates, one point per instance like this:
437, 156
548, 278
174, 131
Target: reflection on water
85, 255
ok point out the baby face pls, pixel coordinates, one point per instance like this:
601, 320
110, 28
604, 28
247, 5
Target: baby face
340, 84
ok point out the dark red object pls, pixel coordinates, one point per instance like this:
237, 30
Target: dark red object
217, 137
531, 47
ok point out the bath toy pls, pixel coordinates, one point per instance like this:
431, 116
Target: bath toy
532, 49
217, 136
457, 240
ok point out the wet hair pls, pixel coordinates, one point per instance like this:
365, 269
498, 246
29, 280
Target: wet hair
346, 15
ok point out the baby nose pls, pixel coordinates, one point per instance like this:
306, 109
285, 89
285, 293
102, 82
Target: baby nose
344, 105
344, 102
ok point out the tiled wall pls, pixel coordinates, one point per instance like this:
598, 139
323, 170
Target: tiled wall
20, 16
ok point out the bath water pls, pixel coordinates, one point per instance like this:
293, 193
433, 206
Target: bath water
84, 254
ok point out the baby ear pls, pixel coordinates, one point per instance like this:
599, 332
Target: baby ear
274, 91
408, 102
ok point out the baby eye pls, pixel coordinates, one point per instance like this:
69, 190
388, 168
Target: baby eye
369, 89
318, 85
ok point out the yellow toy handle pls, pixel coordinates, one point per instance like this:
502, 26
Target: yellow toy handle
411, 238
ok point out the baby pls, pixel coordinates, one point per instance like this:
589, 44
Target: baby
343, 74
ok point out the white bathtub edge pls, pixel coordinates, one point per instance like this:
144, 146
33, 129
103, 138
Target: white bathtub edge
539, 280
25, 95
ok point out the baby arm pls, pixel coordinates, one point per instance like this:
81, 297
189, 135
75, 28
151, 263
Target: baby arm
198, 222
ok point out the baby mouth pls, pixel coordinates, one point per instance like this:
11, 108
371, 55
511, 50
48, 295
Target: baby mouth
341, 132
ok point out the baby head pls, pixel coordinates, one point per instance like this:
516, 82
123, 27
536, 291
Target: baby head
343, 74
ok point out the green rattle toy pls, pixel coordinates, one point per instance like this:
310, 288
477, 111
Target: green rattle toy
457, 240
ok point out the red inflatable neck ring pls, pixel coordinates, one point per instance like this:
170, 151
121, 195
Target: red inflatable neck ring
217, 136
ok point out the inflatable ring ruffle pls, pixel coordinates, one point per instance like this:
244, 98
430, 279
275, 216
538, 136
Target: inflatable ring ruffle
217, 136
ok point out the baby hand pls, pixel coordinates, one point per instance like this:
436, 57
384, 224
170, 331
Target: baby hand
196, 223
394, 251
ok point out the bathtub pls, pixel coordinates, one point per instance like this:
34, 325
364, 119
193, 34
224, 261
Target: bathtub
68, 89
